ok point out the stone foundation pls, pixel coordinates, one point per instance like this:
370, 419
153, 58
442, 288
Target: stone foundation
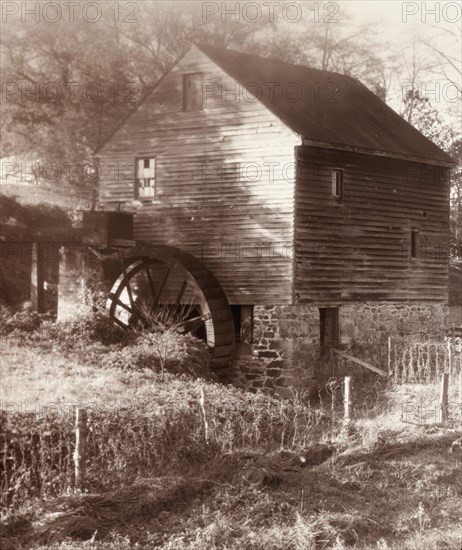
365, 328
367, 323
286, 351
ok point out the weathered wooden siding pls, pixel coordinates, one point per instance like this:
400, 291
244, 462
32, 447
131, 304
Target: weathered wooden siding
359, 250
224, 182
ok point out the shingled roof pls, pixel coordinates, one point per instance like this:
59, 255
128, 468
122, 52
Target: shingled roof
326, 107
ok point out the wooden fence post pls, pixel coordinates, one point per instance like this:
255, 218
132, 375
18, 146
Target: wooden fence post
444, 396
204, 415
81, 431
347, 399
389, 355
450, 359
460, 386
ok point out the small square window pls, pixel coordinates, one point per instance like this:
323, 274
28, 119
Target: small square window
145, 178
193, 92
337, 184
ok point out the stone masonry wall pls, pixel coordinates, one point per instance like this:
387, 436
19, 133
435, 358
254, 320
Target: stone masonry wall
364, 328
286, 350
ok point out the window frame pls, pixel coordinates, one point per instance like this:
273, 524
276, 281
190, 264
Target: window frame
415, 243
335, 185
184, 90
137, 187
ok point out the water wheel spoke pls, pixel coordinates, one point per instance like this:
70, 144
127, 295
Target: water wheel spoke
168, 269
116, 300
192, 325
162, 281
150, 281
180, 294
129, 289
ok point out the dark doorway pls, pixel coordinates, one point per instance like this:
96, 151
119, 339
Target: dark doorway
243, 323
329, 328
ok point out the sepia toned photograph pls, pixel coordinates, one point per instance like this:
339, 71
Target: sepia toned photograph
230, 275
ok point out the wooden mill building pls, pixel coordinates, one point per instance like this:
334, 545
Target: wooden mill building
292, 206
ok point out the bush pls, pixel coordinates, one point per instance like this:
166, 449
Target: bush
26, 321
163, 351
79, 333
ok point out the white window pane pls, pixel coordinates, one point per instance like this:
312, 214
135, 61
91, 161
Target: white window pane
334, 182
145, 177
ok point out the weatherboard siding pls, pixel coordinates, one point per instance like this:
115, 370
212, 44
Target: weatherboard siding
359, 250
224, 182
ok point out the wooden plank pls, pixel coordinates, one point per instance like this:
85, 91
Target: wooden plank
360, 362
361, 249
203, 197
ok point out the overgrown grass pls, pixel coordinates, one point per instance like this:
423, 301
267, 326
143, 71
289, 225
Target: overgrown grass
272, 474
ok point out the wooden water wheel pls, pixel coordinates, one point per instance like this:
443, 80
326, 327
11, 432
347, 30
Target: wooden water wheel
168, 287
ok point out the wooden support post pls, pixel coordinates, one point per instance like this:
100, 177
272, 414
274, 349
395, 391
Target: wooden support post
444, 396
37, 279
347, 399
450, 358
81, 431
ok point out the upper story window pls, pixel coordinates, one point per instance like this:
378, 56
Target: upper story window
337, 184
145, 180
193, 92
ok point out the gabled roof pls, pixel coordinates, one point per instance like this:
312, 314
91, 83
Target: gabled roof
326, 107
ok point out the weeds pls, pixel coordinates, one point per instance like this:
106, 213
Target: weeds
275, 473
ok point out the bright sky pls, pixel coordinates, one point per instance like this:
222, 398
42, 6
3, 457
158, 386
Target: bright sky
399, 12
398, 21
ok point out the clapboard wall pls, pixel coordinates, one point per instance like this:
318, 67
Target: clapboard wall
224, 181
359, 249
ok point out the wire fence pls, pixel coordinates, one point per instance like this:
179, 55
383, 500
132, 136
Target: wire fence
417, 362
51, 453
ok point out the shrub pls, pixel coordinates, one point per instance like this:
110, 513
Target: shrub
26, 321
81, 331
163, 351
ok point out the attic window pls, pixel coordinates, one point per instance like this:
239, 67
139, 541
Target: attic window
192, 92
145, 182
337, 184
